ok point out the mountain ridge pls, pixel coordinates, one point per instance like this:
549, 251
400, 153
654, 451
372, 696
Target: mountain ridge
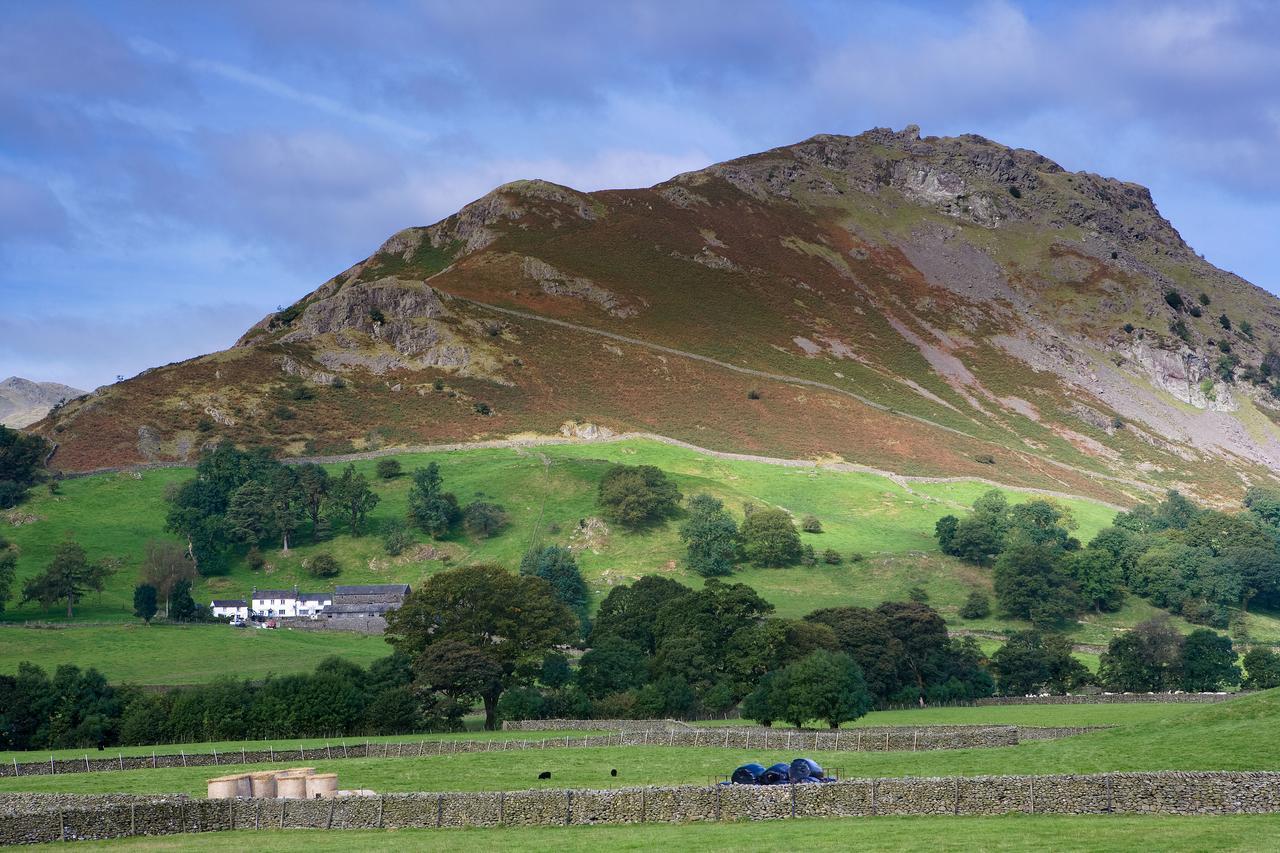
941, 295
24, 401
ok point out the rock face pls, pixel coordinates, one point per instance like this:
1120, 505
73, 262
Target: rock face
904, 301
23, 402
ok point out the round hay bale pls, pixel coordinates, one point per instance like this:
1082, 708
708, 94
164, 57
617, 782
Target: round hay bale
294, 771
263, 784
291, 787
322, 786
230, 787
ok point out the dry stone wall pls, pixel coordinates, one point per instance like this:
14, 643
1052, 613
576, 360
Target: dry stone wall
1109, 699
27, 818
840, 740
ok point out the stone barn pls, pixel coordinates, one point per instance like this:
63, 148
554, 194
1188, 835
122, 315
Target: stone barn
363, 607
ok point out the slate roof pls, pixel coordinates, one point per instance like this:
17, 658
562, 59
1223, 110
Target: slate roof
373, 589
230, 602
315, 596
260, 594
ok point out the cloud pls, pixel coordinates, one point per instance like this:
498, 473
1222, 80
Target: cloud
29, 211
86, 351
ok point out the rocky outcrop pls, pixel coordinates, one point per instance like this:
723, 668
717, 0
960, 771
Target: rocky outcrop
556, 283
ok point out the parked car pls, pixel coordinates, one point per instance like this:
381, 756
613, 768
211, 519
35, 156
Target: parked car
271, 623
237, 622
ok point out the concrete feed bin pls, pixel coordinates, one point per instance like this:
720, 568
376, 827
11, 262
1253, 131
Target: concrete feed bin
230, 787
322, 786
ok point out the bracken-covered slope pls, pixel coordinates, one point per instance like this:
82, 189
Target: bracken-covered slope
942, 306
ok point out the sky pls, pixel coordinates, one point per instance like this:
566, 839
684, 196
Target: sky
171, 172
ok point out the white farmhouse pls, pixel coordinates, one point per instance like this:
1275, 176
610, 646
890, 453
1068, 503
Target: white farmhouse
230, 608
274, 602
311, 603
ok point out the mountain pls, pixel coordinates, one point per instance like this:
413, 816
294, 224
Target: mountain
931, 306
23, 402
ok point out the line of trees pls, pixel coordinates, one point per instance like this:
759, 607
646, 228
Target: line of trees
1197, 562
78, 708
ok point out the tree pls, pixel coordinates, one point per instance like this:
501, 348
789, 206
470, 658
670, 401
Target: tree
183, 607
867, 637
507, 618
8, 569
976, 606
22, 455
1262, 668
144, 602
824, 686
250, 514
313, 485
323, 565
556, 566
1029, 584
631, 611
1208, 662
634, 496
811, 524
763, 704
351, 497
431, 508
388, 468
484, 520
163, 565
287, 503
710, 536
1039, 522
69, 576
611, 666
1098, 576
769, 538
1147, 658
1031, 661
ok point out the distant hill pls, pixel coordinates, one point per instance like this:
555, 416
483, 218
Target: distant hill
931, 306
23, 402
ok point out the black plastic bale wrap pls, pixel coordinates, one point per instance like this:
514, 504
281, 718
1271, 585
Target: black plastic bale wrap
778, 774
747, 774
805, 769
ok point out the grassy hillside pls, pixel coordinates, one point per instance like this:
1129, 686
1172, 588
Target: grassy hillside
181, 654
548, 492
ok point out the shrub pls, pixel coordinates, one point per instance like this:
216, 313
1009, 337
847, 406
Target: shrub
1246, 329
483, 520
976, 606
1204, 299
1179, 328
377, 316
1195, 311
388, 469
255, 559
283, 413
637, 495
769, 538
832, 557
482, 408
856, 557
811, 524
807, 556
1117, 423
985, 459
396, 540
1128, 327
301, 393
323, 565
753, 394
1225, 322
438, 385
918, 594
1015, 192
1174, 300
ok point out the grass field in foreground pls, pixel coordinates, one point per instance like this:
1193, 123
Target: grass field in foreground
1004, 833
182, 654
1237, 735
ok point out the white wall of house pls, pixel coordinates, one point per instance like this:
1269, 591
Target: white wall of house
230, 611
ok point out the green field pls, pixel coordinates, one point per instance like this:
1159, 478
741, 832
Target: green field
1236, 735
181, 654
1008, 833
548, 491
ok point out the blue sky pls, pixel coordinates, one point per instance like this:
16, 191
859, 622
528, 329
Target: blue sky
170, 172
